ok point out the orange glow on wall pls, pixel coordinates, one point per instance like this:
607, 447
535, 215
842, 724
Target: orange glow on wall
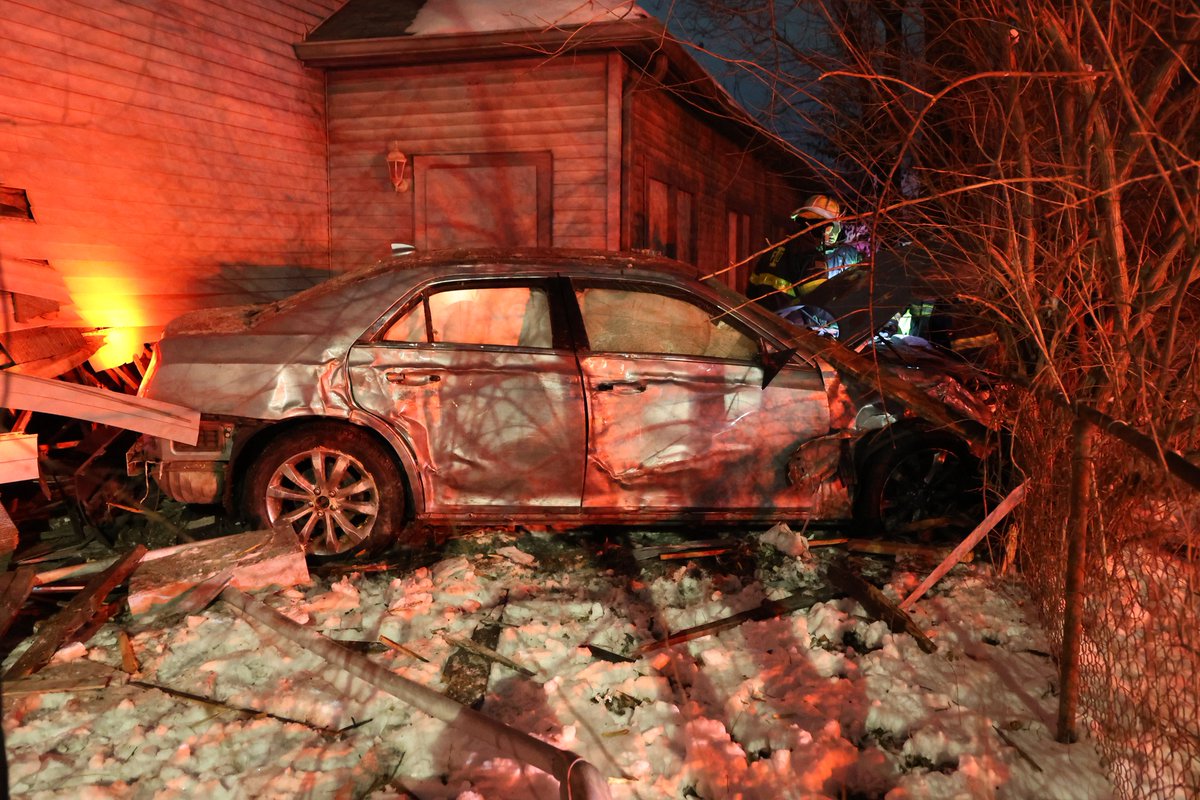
114, 312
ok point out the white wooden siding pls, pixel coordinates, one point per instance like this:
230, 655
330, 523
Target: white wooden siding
173, 153
522, 105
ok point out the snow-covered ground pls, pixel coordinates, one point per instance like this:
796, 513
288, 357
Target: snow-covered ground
813, 704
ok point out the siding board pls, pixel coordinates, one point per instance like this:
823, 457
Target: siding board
507, 105
173, 153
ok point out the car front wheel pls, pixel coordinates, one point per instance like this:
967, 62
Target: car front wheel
334, 485
919, 485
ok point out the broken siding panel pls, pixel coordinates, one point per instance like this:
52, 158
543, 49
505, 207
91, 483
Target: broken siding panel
521, 105
207, 159
140, 414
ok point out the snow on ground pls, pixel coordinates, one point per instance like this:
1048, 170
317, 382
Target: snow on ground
819, 704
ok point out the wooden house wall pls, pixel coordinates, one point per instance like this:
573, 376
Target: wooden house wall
173, 154
561, 106
737, 203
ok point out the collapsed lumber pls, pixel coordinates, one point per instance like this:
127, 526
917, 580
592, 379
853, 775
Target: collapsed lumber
140, 414
76, 616
879, 606
578, 779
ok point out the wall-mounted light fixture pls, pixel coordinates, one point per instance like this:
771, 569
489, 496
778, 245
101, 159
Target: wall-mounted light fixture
397, 163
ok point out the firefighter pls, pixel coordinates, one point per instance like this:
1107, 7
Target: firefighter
782, 275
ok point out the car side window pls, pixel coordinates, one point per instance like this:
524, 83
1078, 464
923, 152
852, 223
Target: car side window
506, 316
621, 320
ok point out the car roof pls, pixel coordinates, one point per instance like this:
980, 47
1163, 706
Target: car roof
555, 257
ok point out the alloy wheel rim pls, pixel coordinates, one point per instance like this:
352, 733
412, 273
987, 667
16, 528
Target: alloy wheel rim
328, 497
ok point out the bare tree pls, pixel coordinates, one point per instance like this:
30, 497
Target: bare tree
1045, 155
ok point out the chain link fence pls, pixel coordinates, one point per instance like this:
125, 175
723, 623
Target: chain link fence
1139, 658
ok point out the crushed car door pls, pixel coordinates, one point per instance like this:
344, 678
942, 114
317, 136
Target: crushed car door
678, 415
473, 375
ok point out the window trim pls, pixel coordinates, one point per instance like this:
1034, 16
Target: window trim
678, 292
560, 338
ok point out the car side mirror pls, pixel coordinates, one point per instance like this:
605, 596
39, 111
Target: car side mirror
773, 361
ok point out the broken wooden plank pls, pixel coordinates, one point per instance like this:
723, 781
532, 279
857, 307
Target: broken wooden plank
256, 560
883, 548
73, 571
827, 542
35, 278
14, 591
133, 413
488, 653
577, 778
998, 513
76, 615
766, 610
697, 553
98, 619
879, 606
659, 550
28, 686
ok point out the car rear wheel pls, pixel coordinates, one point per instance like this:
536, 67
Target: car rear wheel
334, 485
919, 485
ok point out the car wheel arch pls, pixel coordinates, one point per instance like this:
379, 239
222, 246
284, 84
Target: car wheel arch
248, 451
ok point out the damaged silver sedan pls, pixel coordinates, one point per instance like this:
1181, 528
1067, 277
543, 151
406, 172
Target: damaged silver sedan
548, 387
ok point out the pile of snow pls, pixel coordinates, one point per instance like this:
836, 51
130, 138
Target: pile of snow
815, 704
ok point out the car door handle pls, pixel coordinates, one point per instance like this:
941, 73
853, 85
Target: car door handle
621, 387
412, 378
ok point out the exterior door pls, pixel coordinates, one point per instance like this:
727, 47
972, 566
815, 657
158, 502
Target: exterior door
678, 416
483, 200
471, 376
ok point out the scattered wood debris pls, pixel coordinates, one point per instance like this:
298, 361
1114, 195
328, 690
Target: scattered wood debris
163, 586
885, 548
77, 617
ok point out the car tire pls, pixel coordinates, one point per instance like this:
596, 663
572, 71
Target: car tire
360, 515
920, 485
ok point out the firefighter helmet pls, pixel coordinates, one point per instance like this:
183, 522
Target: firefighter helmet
818, 206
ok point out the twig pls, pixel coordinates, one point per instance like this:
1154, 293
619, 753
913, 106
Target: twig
488, 653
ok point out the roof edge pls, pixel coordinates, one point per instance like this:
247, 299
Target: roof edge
641, 34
